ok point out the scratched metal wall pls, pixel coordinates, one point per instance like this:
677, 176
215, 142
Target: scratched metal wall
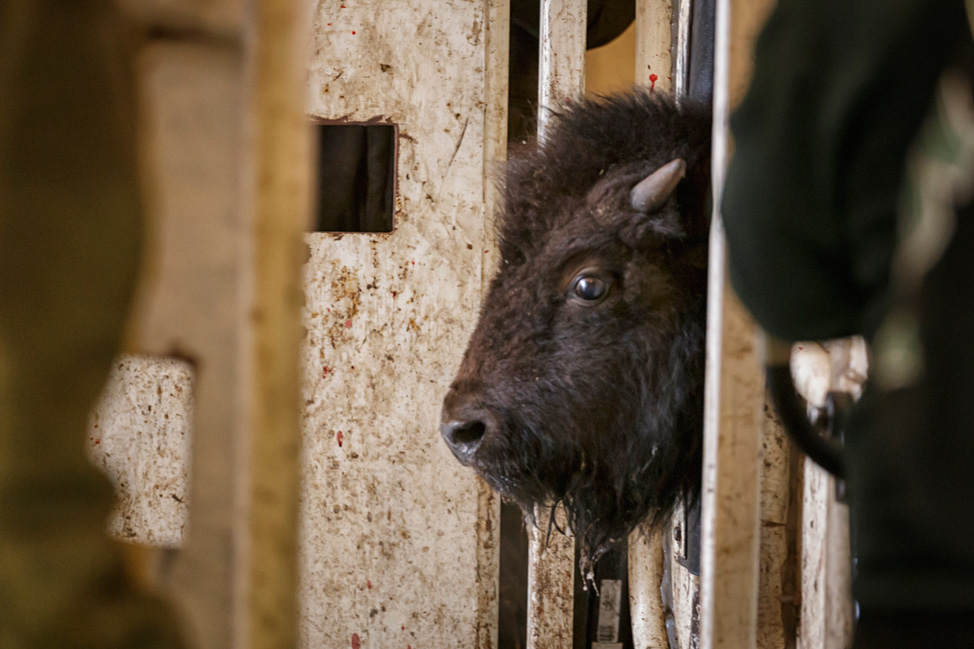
391, 521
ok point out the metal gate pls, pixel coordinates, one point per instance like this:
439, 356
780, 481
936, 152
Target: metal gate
398, 543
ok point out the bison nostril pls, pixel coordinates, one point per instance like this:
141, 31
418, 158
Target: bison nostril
463, 435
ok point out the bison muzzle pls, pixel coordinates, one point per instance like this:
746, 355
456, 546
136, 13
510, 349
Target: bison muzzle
583, 380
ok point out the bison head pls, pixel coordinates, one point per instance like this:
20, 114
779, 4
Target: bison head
582, 383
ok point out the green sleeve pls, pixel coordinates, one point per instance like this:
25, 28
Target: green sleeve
809, 205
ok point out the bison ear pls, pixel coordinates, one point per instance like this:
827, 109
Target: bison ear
652, 192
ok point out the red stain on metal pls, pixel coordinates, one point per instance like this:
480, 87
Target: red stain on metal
356, 643
325, 371
339, 437
348, 323
368, 584
97, 441
353, 367
353, 33
394, 294
652, 80
486, 251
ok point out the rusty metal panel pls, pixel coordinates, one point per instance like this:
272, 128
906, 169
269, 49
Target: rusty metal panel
394, 529
139, 435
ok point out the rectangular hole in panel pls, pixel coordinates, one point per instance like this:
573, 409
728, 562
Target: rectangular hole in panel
356, 177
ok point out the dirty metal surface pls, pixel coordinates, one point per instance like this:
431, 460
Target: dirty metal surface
654, 33
562, 66
397, 536
139, 436
733, 417
551, 583
826, 602
645, 580
190, 303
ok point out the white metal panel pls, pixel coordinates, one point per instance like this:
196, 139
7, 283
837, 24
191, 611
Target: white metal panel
139, 435
393, 526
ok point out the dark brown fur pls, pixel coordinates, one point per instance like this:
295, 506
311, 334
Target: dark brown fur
596, 406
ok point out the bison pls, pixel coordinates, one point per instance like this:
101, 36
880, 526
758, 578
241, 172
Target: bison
583, 381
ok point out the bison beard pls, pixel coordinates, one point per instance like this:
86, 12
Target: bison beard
583, 380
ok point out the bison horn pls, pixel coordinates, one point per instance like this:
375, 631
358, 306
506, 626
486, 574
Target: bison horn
655, 189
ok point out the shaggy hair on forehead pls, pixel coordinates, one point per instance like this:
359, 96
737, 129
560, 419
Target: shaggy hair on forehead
592, 138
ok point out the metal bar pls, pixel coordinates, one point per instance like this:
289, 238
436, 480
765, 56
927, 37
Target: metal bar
681, 63
562, 57
551, 585
734, 389
551, 569
280, 185
654, 36
496, 83
654, 68
645, 580
826, 606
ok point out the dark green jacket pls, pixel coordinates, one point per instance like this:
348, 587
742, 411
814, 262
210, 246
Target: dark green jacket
839, 90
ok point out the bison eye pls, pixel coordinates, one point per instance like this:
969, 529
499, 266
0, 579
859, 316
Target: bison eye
590, 288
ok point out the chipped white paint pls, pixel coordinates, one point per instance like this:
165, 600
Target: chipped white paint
139, 435
561, 76
654, 33
645, 580
733, 419
826, 600
393, 527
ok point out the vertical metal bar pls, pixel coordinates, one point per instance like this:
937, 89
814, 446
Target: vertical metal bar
280, 183
733, 417
551, 568
646, 574
681, 63
496, 83
551, 586
654, 36
654, 68
826, 609
562, 57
